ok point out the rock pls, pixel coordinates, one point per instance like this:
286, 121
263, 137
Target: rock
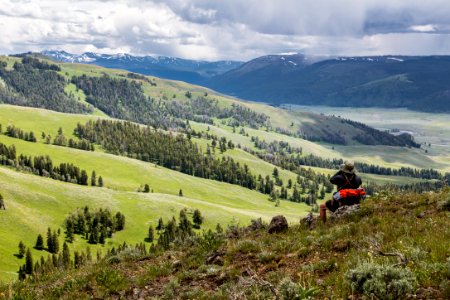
427, 293
309, 221
256, 224
215, 258
218, 261
421, 215
278, 224
345, 211
176, 265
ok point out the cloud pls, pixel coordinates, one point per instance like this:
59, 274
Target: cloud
232, 29
423, 28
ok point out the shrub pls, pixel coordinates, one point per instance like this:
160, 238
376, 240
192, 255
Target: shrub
247, 246
111, 279
383, 282
322, 267
266, 257
292, 291
444, 205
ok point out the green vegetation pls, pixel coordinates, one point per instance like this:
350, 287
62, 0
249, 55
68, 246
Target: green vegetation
94, 227
373, 252
206, 135
37, 84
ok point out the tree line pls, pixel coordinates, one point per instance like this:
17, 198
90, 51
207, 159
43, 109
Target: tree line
43, 166
37, 84
365, 134
125, 99
372, 136
61, 140
179, 153
15, 132
165, 149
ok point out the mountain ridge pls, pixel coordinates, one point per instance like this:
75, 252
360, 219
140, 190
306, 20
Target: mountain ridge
193, 71
415, 82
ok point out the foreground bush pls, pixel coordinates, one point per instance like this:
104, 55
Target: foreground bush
383, 282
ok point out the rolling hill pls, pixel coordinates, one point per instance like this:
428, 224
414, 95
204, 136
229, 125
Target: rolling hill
417, 83
34, 202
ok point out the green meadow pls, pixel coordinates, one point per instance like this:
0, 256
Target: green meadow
35, 203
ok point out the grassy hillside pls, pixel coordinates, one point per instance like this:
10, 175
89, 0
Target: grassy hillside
387, 250
220, 202
35, 203
33, 200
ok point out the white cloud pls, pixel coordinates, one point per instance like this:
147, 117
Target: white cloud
232, 29
423, 28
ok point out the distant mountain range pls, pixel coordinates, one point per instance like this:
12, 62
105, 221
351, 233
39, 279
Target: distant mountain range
192, 71
418, 83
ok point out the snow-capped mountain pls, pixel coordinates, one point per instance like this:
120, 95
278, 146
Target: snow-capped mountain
193, 71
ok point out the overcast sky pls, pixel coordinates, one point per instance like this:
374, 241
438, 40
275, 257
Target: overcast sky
227, 29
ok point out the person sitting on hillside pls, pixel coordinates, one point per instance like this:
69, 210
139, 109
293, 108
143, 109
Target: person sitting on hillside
348, 187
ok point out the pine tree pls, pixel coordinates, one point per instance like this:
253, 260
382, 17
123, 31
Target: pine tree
100, 181
84, 178
29, 262
151, 234
2, 202
22, 249
55, 242
275, 172
120, 221
93, 237
69, 230
76, 260
295, 195
185, 225
22, 274
39, 242
50, 244
93, 179
102, 236
146, 188
219, 228
160, 225
197, 219
180, 193
289, 185
66, 256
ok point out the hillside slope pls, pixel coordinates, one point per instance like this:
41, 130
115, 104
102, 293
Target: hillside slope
371, 253
125, 95
418, 83
31, 199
